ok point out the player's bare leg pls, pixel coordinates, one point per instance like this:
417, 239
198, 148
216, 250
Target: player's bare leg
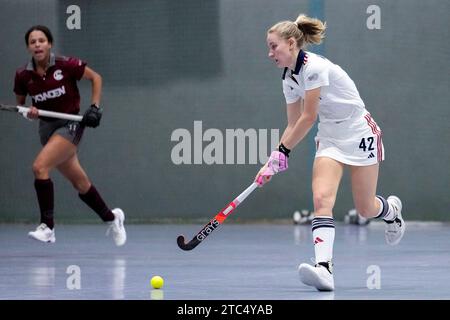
87, 192
327, 174
369, 205
56, 151
72, 170
364, 186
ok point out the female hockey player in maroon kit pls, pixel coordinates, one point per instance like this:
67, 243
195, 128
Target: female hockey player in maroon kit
51, 82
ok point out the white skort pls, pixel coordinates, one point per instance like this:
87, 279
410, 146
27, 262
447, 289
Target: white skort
355, 141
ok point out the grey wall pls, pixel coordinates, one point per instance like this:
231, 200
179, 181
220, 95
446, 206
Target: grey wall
403, 74
167, 64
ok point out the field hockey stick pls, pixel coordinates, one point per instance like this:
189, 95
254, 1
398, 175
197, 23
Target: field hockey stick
216, 221
43, 113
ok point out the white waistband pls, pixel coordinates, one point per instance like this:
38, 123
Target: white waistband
356, 113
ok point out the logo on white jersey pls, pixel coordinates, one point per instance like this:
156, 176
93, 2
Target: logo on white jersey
58, 75
313, 77
51, 94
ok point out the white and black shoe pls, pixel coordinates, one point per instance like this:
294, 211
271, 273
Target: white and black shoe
395, 229
319, 276
117, 227
43, 234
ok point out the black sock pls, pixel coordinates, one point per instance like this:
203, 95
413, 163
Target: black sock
93, 199
44, 191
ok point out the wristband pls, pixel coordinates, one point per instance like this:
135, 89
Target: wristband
284, 150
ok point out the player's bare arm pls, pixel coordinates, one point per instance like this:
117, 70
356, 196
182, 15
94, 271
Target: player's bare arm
305, 121
96, 80
293, 111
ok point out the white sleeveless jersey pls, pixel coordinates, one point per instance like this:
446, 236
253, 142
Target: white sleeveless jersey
346, 131
339, 97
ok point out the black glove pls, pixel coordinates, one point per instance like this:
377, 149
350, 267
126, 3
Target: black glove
92, 116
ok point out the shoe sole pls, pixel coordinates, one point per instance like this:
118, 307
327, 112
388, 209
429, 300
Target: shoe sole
310, 278
51, 240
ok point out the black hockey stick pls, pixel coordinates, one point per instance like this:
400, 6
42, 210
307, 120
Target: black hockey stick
216, 221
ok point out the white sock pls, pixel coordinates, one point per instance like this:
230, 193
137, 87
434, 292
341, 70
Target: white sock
385, 212
323, 237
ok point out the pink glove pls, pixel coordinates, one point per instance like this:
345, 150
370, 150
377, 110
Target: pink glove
277, 162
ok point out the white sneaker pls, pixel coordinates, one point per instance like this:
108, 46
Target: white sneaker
117, 228
395, 229
318, 276
43, 233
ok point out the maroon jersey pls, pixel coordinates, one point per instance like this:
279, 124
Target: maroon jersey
57, 90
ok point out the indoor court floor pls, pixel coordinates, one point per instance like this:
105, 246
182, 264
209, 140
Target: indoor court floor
236, 262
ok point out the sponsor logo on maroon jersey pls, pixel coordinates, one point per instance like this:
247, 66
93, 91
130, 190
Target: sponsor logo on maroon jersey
51, 94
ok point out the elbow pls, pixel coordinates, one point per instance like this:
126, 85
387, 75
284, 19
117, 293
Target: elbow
98, 78
93, 76
97, 81
310, 119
